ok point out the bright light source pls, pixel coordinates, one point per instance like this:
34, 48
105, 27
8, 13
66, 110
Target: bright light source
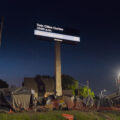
104, 90
57, 35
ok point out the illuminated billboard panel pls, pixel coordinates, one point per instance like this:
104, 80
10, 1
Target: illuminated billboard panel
57, 33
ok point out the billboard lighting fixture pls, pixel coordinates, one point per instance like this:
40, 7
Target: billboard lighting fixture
56, 35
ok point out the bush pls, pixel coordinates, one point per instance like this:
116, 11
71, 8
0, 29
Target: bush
85, 91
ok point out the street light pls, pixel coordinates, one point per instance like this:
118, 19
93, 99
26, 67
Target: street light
118, 81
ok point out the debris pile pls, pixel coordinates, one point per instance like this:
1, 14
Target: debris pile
23, 99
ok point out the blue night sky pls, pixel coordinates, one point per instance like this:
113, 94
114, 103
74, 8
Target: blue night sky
96, 58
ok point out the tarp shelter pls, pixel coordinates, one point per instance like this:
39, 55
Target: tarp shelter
16, 98
4, 105
6, 98
21, 98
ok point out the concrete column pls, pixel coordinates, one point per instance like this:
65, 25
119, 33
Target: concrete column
58, 68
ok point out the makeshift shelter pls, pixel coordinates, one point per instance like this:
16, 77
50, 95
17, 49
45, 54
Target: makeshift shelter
4, 105
6, 98
21, 98
15, 98
88, 101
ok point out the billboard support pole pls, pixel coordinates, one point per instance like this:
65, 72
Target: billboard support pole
58, 82
59, 35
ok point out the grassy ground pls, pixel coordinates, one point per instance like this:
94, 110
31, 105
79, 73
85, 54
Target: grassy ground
57, 115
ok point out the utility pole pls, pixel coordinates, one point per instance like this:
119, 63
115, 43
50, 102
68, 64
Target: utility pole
1, 29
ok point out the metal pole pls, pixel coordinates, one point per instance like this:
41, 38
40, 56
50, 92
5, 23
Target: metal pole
88, 87
87, 83
58, 69
118, 82
1, 28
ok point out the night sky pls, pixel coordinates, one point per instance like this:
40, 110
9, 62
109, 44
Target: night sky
96, 58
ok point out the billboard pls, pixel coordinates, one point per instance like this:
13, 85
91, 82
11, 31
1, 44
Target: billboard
57, 33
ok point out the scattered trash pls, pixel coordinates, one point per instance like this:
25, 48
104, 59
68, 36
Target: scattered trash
10, 111
68, 116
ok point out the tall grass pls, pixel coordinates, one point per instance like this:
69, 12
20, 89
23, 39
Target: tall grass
57, 115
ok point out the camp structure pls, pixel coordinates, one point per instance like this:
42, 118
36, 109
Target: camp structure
5, 106
114, 97
21, 99
15, 98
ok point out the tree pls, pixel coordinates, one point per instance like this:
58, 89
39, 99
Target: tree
69, 83
3, 84
85, 91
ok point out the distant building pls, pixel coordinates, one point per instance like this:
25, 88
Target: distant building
43, 85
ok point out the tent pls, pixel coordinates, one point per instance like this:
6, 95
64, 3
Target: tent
21, 99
